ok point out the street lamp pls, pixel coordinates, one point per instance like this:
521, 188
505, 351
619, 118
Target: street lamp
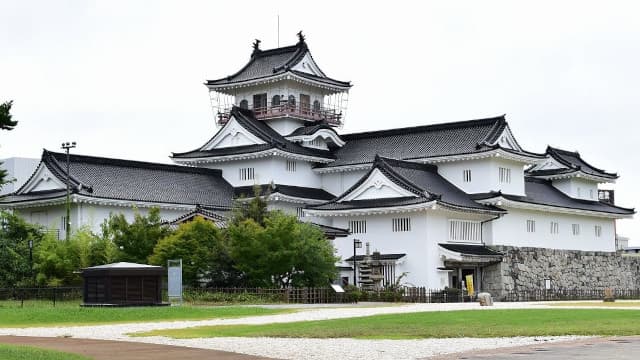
67, 146
357, 244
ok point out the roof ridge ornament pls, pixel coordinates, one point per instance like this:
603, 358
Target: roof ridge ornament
301, 37
256, 48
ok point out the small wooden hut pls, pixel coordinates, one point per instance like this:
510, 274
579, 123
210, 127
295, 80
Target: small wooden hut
123, 284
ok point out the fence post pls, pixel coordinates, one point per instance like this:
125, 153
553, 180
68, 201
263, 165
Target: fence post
54, 297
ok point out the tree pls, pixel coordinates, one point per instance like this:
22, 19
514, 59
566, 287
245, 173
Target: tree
255, 208
203, 250
58, 262
284, 252
15, 262
6, 123
135, 241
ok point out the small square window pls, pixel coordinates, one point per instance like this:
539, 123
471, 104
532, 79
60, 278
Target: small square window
575, 229
531, 226
598, 230
555, 228
466, 175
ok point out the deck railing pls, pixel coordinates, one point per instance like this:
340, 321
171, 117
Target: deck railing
298, 110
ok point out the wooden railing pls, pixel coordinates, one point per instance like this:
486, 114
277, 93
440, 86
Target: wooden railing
298, 110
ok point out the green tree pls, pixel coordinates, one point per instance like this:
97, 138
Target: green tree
15, 262
6, 123
284, 252
202, 248
135, 240
254, 208
58, 262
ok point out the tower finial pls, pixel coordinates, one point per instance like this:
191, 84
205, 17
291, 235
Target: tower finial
300, 36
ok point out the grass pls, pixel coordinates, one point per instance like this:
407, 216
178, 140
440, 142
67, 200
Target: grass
11, 352
70, 313
449, 324
617, 304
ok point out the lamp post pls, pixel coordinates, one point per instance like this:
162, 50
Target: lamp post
31, 261
357, 244
67, 146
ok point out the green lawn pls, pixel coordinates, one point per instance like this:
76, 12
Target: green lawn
70, 313
449, 324
11, 352
617, 304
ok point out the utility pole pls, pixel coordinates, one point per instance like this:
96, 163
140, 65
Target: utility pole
67, 146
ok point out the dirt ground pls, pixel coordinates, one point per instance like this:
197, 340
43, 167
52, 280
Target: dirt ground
107, 350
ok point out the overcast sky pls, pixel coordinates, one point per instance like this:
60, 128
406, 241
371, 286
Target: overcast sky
124, 78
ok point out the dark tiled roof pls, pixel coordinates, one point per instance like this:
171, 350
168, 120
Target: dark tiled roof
421, 179
267, 63
35, 195
542, 192
108, 178
260, 129
311, 129
289, 190
471, 249
332, 232
419, 142
382, 257
573, 162
207, 214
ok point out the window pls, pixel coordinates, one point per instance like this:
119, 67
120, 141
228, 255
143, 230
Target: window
466, 175
464, 230
575, 229
63, 223
247, 174
259, 103
401, 224
291, 166
555, 228
358, 226
316, 106
305, 103
505, 175
598, 230
531, 226
299, 212
590, 193
244, 104
275, 100
292, 101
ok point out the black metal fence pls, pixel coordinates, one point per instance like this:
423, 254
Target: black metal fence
43, 294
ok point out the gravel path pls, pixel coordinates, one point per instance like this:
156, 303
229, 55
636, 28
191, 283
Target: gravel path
306, 348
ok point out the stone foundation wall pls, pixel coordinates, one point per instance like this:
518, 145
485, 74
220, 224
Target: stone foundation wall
526, 268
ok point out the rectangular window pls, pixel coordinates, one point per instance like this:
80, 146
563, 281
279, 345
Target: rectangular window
598, 230
466, 175
464, 230
401, 224
299, 212
247, 174
63, 223
590, 193
505, 175
555, 228
358, 226
575, 229
291, 166
531, 226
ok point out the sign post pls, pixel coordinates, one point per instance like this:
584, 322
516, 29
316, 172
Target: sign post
174, 277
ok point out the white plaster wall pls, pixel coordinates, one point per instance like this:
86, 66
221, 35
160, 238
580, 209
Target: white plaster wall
83, 214
267, 170
578, 188
511, 230
485, 175
420, 244
338, 182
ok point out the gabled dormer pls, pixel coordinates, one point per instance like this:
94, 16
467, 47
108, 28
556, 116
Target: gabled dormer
570, 174
284, 87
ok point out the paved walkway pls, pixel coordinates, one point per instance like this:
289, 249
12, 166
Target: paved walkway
619, 348
108, 350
